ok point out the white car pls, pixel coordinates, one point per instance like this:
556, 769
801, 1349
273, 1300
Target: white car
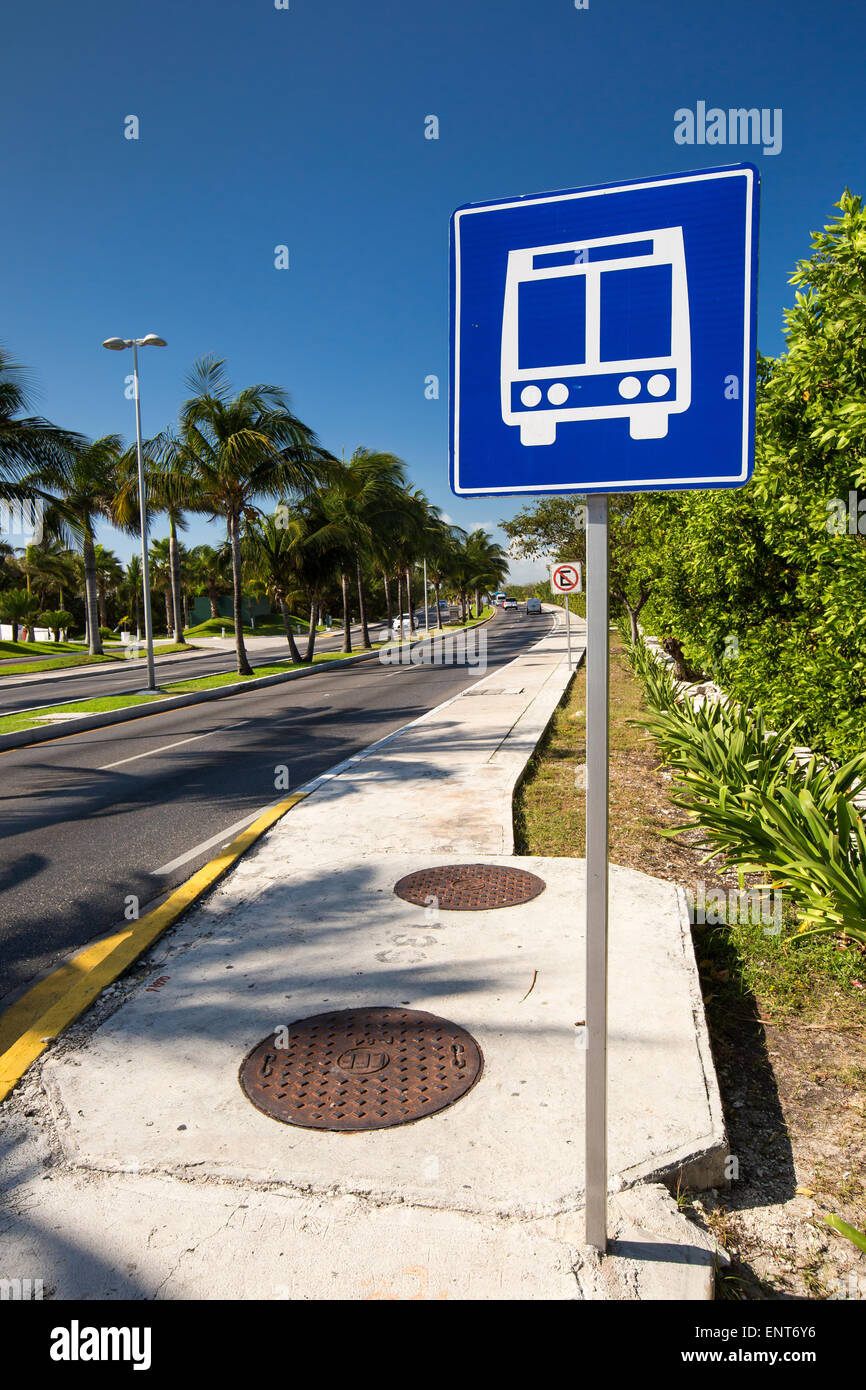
509, 603
533, 605
401, 624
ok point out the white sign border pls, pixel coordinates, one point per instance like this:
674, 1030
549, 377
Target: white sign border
625, 484
567, 564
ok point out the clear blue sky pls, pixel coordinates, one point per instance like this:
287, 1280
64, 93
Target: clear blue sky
305, 127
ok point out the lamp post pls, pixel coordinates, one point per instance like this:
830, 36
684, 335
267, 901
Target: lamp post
118, 345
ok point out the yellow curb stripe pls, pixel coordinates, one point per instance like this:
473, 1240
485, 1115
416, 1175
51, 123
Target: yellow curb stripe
29, 1025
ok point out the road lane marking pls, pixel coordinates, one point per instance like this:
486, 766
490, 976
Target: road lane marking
165, 747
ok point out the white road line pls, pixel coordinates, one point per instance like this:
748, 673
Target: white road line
221, 836
165, 747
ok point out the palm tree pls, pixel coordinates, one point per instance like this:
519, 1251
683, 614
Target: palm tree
365, 499
91, 492
29, 445
50, 567
316, 567
109, 576
209, 569
488, 563
172, 488
444, 541
55, 619
405, 541
240, 447
17, 606
272, 549
131, 590
160, 563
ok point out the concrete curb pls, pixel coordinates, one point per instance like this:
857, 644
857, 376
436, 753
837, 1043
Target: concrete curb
23, 738
33, 1022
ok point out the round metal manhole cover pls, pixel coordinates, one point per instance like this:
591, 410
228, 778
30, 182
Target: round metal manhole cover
359, 1069
470, 887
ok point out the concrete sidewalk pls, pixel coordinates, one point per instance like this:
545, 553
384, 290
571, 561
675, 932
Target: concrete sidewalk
138, 1168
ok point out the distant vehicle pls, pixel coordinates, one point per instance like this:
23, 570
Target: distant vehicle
533, 605
499, 598
445, 605
509, 603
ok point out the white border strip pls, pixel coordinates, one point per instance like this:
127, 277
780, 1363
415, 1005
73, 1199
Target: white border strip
626, 484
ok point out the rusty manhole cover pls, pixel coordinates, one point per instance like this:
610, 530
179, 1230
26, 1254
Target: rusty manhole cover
470, 887
361, 1069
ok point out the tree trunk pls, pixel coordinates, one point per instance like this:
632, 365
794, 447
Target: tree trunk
213, 596
477, 603
347, 612
400, 604
311, 635
409, 606
389, 614
362, 607
290, 636
682, 670
90, 598
174, 566
244, 667
436, 584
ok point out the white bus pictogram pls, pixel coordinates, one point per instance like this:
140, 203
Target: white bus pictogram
596, 330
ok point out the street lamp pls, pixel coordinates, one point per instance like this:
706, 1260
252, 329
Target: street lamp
118, 345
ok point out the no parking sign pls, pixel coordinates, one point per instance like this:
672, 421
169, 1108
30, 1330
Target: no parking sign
566, 577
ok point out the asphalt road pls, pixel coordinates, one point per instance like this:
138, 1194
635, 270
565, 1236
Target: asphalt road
89, 819
58, 687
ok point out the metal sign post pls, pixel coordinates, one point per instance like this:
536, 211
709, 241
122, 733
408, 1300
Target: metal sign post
596, 870
566, 577
603, 342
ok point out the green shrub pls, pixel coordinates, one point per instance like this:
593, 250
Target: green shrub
56, 619
757, 805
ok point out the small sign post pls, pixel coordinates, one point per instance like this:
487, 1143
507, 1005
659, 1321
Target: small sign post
603, 341
566, 577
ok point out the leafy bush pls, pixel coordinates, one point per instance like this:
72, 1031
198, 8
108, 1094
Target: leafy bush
760, 807
56, 619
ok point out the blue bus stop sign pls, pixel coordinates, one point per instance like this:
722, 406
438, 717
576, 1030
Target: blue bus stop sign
603, 339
